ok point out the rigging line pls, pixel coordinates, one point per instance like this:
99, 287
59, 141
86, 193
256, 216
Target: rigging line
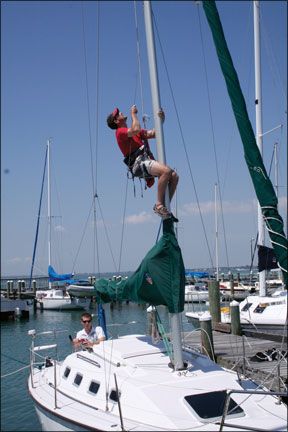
96, 243
184, 145
247, 32
87, 98
106, 233
273, 62
12, 358
57, 252
138, 79
18, 370
213, 136
139, 64
123, 225
38, 220
84, 230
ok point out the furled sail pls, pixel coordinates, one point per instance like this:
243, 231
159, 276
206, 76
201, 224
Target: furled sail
55, 277
262, 184
159, 280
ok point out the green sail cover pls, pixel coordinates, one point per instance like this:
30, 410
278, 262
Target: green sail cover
159, 280
262, 184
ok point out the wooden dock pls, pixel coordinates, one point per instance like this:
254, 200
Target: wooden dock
235, 352
11, 309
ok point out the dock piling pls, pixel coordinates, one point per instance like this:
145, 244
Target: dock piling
207, 345
19, 285
235, 318
214, 301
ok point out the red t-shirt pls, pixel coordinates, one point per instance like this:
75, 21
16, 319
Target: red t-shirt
127, 144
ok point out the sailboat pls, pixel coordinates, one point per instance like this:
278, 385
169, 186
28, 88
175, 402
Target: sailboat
131, 383
56, 298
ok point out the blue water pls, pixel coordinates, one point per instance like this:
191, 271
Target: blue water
17, 409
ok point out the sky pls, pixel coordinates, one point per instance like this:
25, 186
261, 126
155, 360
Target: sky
65, 65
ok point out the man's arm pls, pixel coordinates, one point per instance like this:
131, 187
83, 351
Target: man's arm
135, 127
152, 133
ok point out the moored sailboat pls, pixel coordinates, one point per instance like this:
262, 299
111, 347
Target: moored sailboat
56, 298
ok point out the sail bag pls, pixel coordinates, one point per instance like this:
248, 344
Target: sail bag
159, 280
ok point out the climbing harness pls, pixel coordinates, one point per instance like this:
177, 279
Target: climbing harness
135, 162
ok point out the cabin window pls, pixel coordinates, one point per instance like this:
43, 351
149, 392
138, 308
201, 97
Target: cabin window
66, 372
209, 406
246, 307
78, 379
260, 308
94, 387
113, 395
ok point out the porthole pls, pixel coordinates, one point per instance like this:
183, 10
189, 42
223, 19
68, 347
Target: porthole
113, 395
94, 387
66, 372
78, 379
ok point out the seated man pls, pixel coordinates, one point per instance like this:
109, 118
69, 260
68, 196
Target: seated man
89, 335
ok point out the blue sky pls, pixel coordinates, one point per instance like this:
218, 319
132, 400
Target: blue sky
45, 81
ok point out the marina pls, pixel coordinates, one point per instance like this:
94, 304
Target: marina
156, 368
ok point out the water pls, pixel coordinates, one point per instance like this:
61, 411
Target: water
17, 409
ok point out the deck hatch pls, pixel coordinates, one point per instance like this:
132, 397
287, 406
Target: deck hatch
210, 405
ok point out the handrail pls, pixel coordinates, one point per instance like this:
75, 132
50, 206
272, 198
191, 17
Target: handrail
255, 392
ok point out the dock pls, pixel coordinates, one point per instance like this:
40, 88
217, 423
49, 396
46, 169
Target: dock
11, 309
239, 354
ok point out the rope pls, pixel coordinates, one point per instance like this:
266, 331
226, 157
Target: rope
123, 225
38, 221
106, 233
139, 64
213, 136
184, 144
163, 334
18, 370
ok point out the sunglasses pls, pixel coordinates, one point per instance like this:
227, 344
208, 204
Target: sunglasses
115, 113
86, 321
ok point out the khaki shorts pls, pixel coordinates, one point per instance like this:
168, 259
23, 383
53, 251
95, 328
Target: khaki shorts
142, 166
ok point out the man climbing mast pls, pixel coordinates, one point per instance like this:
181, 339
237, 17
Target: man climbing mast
133, 143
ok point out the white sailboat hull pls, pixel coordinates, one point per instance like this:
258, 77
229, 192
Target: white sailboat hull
58, 300
269, 312
153, 397
81, 290
195, 295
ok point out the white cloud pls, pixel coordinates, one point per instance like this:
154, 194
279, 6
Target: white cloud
209, 207
282, 202
59, 228
140, 218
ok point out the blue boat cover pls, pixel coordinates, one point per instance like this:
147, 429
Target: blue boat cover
55, 277
193, 274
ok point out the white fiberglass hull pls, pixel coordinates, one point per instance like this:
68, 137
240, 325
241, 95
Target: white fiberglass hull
255, 312
56, 299
81, 290
153, 397
63, 304
194, 295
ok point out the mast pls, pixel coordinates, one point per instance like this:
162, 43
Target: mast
174, 317
216, 235
259, 134
276, 168
49, 207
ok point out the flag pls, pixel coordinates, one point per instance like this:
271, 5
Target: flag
266, 258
